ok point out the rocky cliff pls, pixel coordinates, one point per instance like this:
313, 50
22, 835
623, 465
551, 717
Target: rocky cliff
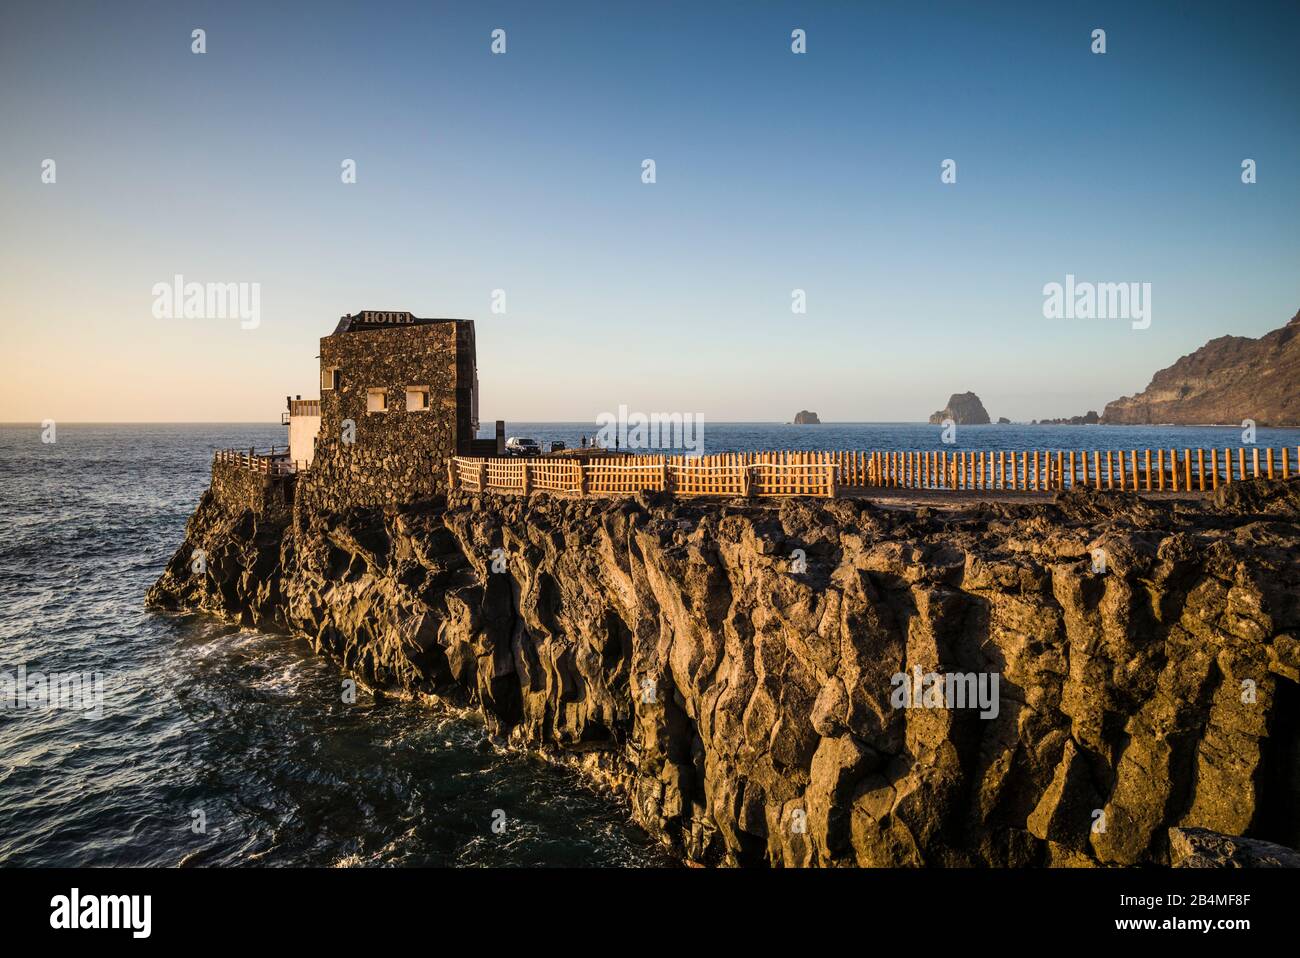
1225, 381
744, 672
964, 409
805, 417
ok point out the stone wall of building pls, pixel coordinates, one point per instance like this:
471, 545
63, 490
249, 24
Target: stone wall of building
238, 489
381, 458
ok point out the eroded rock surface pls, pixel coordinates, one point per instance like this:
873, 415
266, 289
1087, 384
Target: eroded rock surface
964, 409
1201, 848
730, 665
1225, 381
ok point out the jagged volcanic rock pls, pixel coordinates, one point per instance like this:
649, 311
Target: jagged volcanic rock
739, 691
964, 409
1201, 848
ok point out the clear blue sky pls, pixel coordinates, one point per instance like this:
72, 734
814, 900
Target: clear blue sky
523, 172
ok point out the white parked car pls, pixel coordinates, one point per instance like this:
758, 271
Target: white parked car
519, 446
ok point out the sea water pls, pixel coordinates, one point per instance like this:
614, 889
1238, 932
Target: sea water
219, 745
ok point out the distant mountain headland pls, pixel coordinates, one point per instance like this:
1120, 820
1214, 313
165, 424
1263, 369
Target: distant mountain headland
1090, 418
964, 409
1225, 381
806, 418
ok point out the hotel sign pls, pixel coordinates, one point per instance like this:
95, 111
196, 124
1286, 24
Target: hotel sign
372, 317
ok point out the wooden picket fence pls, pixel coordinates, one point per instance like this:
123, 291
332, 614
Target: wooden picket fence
825, 474
1150, 470
728, 474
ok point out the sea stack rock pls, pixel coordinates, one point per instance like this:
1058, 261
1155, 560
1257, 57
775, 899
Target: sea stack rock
965, 409
805, 418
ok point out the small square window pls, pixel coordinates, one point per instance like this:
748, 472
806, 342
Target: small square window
376, 400
417, 398
329, 378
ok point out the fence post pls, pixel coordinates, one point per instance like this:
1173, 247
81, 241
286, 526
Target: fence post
526, 480
452, 474
831, 490
482, 476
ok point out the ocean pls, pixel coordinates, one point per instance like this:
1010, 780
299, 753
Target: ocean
897, 437
220, 745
